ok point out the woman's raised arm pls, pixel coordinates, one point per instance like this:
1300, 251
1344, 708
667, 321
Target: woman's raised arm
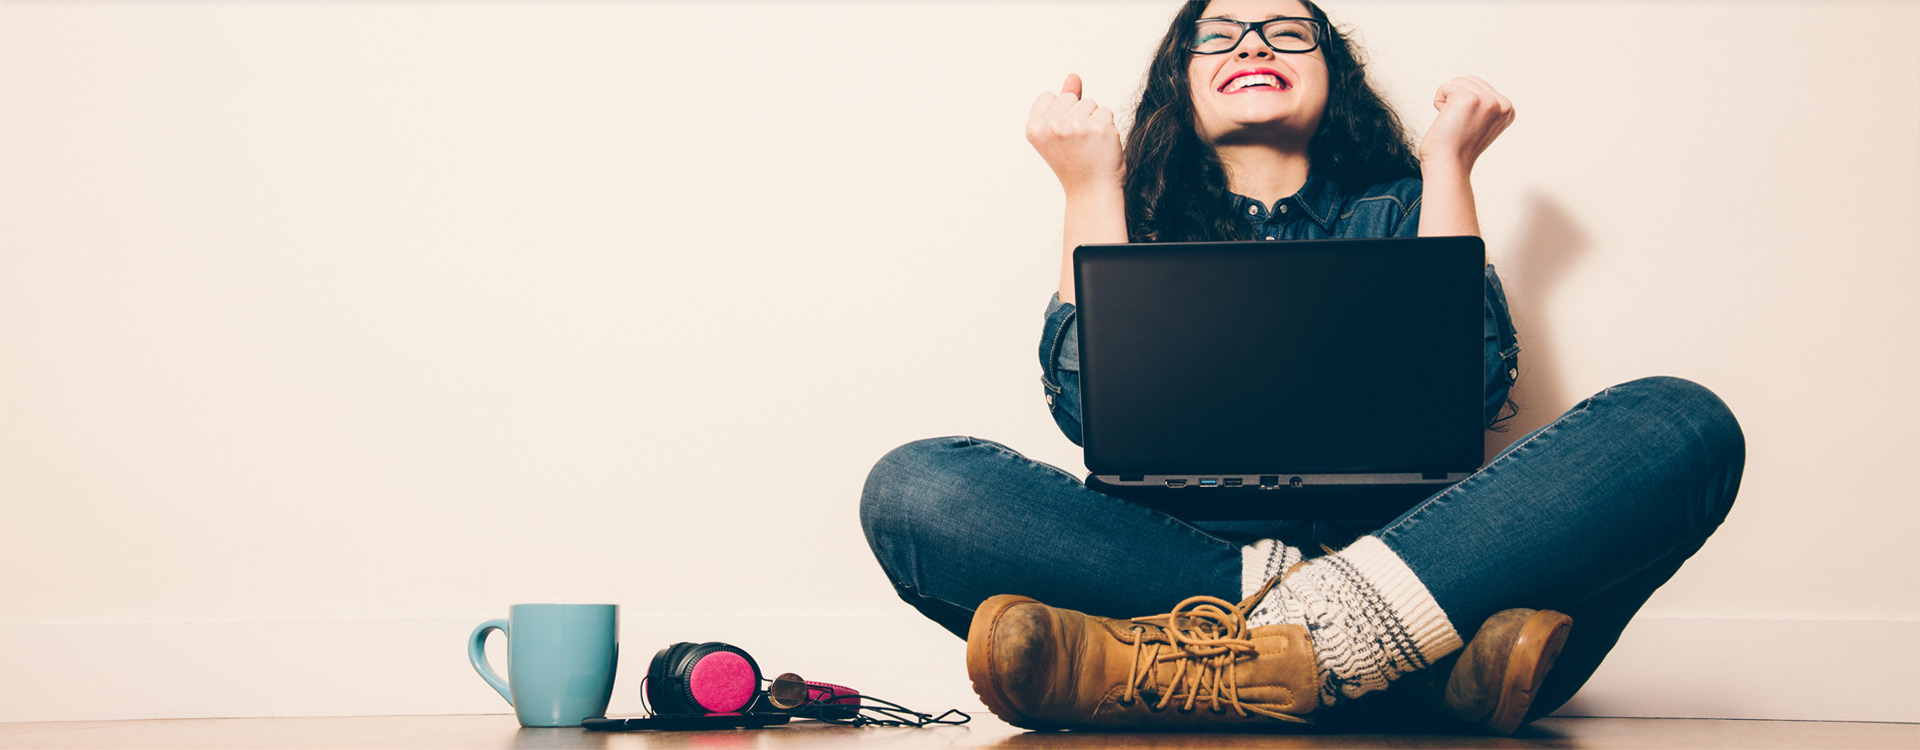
1079, 140
1472, 114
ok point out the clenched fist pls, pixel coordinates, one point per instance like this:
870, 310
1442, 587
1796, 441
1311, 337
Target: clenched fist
1472, 114
1077, 138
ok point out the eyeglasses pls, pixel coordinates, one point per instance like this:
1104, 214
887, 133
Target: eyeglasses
1213, 36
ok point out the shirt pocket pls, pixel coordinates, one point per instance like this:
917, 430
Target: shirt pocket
1500, 332
1501, 365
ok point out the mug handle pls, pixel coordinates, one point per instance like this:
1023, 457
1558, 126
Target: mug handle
477, 653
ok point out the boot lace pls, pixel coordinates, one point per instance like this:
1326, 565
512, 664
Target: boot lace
1208, 638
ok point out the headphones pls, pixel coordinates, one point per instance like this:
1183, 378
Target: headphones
718, 678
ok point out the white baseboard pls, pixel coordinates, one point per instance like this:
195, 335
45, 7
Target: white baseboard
1834, 670
1723, 668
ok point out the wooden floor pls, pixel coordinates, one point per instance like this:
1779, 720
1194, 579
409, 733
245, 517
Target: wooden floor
500, 731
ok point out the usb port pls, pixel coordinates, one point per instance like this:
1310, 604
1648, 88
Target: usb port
1231, 482
1176, 483
1209, 482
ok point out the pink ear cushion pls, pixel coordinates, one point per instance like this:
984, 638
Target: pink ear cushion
721, 682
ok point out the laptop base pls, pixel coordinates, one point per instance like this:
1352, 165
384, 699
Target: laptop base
1283, 502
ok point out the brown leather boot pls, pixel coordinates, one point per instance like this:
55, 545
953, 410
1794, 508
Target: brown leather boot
1492, 684
1197, 667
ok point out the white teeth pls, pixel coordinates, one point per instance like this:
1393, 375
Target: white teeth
1253, 80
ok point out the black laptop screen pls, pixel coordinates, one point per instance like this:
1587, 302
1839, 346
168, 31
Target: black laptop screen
1325, 356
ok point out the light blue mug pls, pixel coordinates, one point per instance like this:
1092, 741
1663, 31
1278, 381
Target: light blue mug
560, 661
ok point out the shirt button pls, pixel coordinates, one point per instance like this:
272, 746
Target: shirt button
1253, 210
1283, 208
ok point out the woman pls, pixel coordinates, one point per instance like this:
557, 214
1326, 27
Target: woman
1257, 122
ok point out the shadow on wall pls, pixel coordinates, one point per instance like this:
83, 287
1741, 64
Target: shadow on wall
1549, 245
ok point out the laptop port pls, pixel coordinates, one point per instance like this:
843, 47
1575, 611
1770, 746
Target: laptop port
1230, 482
1133, 477
1209, 482
1269, 480
1176, 483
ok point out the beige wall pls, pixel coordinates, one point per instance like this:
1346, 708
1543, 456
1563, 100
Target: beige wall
328, 330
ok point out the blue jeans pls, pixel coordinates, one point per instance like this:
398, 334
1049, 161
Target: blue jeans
1586, 515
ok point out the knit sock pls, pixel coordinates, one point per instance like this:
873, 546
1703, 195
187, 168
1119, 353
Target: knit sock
1261, 561
1370, 618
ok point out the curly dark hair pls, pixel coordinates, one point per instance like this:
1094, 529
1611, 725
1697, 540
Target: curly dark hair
1176, 185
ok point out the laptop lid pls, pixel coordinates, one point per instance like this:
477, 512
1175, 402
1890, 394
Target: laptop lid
1282, 364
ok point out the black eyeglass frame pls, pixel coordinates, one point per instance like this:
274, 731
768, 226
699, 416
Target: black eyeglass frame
1319, 30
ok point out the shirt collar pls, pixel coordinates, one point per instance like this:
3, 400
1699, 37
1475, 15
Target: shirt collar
1319, 198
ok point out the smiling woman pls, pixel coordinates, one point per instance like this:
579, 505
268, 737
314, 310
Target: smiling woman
1257, 122
1195, 143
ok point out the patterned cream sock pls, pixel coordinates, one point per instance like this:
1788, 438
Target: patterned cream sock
1370, 617
1261, 561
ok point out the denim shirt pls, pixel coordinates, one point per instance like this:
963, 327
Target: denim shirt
1321, 210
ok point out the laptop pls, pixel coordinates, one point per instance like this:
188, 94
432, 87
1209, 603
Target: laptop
1306, 379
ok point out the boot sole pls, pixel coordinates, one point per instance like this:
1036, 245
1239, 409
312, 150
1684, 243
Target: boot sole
980, 659
1541, 639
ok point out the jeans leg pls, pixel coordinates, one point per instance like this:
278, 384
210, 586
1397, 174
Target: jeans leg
1587, 515
956, 520
1600, 620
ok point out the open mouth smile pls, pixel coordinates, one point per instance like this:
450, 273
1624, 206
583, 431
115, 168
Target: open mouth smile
1256, 79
